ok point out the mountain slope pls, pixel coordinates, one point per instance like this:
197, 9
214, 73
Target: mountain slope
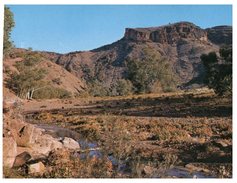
181, 44
56, 75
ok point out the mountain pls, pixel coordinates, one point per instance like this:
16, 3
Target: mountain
180, 43
220, 35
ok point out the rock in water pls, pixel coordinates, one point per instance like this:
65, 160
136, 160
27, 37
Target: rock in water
70, 143
9, 151
44, 144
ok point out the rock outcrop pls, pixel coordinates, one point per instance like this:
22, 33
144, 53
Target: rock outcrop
168, 34
24, 134
70, 143
44, 144
23, 141
181, 44
220, 35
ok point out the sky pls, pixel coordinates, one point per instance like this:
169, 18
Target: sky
67, 28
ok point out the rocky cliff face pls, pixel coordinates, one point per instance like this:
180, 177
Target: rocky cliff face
181, 44
169, 34
220, 34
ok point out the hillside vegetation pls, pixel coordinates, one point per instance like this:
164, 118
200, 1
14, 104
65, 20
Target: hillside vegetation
155, 104
29, 75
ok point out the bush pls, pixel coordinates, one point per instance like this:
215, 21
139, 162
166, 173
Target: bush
122, 87
97, 89
29, 77
26, 80
50, 92
57, 81
149, 71
219, 70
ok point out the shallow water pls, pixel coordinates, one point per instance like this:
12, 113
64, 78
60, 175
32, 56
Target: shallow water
59, 132
180, 172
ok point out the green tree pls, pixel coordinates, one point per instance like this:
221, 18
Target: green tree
123, 87
26, 81
219, 70
97, 89
8, 26
28, 78
144, 73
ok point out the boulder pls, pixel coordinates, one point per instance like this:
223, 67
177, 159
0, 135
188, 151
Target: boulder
37, 168
70, 143
44, 144
9, 151
25, 134
21, 159
191, 167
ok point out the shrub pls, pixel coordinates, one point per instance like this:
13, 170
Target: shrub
145, 72
122, 87
30, 61
57, 81
219, 70
23, 82
97, 89
28, 81
29, 77
50, 92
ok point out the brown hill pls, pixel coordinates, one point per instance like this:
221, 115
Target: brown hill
181, 44
56, 75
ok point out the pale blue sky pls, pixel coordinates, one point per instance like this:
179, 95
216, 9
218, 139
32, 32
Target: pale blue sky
66, 28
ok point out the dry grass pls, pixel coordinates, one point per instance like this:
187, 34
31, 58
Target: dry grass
183, 129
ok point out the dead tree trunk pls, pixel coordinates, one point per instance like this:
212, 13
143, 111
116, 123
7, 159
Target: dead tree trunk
31, 93
28, 95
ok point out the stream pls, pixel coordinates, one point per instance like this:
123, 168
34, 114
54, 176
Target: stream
59, 132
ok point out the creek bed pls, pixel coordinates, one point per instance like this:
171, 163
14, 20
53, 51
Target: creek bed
92, 150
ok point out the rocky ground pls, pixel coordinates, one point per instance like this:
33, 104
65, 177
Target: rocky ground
25, 146
175, 135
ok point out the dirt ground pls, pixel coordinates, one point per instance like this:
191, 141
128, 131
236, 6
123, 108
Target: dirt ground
188, 130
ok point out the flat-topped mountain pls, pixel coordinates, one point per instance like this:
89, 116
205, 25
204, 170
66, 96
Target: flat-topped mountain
181, 44
169, 34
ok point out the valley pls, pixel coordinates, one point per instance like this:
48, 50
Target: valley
164, 135
157, 103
